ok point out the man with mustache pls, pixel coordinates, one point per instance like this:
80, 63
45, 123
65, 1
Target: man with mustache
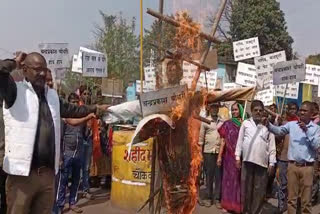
304, 142
32, 116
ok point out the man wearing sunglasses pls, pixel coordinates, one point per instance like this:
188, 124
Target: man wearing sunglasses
32, 134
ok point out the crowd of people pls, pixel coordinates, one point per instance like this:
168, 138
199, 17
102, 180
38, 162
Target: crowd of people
44, 140
243, 157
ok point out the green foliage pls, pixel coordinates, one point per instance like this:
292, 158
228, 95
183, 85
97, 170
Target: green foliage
262, 18
313, 59
117, 39
153, 36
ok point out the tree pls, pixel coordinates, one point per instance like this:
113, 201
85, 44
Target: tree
264, 19
117, 39
243, 19
313, 59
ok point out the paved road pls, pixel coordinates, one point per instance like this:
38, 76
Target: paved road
102, 205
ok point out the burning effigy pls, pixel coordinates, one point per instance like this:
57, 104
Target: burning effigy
171, 114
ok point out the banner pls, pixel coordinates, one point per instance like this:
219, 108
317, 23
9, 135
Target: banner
246, 75
264, 66
246, 49
161, 101
56, 54
289, 72
312, 74
292, 90
266, 96
94, 65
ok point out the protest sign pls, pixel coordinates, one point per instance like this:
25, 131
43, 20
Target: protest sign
112, 87
94, 65
312, 74
161, 101
246, 75
246, 49
264, 65
288, 72
147, 86
229, 86
77, 61
189, 71
266, 96
150, 74
291, 93
76, 67
56, 54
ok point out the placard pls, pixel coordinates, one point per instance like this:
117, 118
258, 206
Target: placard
147, 86
292, 90
246, 49
161, 101
246, 75
312, 74
112, 87
229, 86
77, 61
288, 72
57, 57
266, 96
264, 66
94, 65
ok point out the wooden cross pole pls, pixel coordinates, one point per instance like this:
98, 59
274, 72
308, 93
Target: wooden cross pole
284, 99
205, 53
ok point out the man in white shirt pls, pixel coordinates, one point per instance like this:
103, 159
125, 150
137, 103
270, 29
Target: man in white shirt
256, 147
209, 138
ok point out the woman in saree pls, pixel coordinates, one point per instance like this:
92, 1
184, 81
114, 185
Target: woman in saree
229, 131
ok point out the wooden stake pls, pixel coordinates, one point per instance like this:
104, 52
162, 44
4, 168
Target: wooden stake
141, 46
284, 99
205, 53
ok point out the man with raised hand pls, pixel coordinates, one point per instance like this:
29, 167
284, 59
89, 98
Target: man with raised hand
304, 142
32, 114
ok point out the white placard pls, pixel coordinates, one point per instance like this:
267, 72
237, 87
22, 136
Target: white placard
147, 86
150, 73
77, 64
229, 86
94, 65
161, 101
288, 72
246, 75
266, 96
264, 65
312, 74
189, 71
246, 49
56, 55
76, 67
292, 90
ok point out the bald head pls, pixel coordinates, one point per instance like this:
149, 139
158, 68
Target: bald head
35, 58
35, 69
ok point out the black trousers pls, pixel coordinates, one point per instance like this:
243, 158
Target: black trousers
213, 175
3, 204
254, 180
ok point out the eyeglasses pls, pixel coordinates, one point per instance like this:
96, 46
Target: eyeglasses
38, 69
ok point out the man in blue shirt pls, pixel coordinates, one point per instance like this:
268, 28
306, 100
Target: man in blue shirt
304, 142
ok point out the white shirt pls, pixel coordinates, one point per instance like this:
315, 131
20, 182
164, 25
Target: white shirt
256, 144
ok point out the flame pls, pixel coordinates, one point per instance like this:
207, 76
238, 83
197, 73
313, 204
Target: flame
187, 42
